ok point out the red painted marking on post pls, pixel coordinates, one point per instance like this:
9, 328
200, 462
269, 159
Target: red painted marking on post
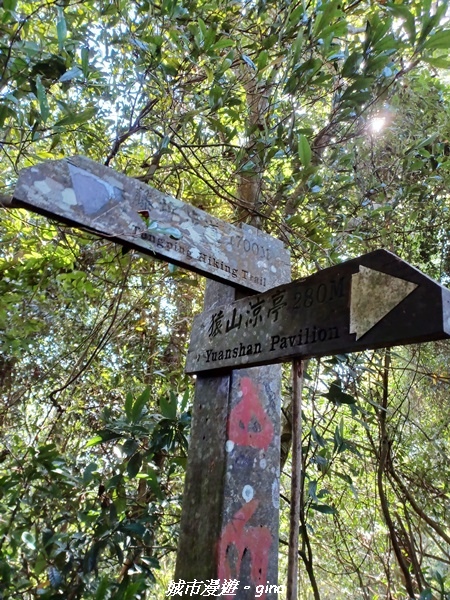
246, 415
255, 540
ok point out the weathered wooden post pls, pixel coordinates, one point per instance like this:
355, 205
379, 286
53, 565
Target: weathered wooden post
229, 525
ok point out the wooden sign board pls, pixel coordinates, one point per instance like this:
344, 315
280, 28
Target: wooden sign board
373, 301
86, 194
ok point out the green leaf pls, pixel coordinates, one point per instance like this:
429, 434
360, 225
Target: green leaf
47, 537
423, 142
440, 62
337, 438
318, 438
337, 396
88, 473
56, 140
326, 16
376, 64
262, 59
97, 439
102, 589
136, 529
61, 29
359, 83
5, 572
439, 40
115, 482
248, 167
426, 7
128, 404
222, 43
356, 99
76, 119
202, 26
297, 46
5, 112
10, 4
140, 404
296, 15
28, 540
304, 150
54, 576
103, 436
42, 99
91, 557
324, 509
134, 465
71, 74
85, 60
185, 400
345, 478
352, 63
427, 26
336, 29
401, 11
248, 61
348, 445
130, 446
168, 406
312, 489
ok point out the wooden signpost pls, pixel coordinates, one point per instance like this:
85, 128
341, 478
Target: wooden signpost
86, 194
229, 527
374, 301
229, 524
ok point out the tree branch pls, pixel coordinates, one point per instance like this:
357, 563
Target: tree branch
135, 128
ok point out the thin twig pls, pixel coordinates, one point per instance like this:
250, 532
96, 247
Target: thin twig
136, 127
292, 576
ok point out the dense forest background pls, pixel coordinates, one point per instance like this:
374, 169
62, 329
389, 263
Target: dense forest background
324, 122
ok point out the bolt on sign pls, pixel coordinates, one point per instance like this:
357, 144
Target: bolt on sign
374, 301
86, 194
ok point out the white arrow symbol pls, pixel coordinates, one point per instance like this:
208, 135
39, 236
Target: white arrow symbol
373, 295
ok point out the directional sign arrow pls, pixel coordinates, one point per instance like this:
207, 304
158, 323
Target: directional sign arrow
374, 301
89, 195
372, 296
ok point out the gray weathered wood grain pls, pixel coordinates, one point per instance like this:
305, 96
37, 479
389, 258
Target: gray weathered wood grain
83, 193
